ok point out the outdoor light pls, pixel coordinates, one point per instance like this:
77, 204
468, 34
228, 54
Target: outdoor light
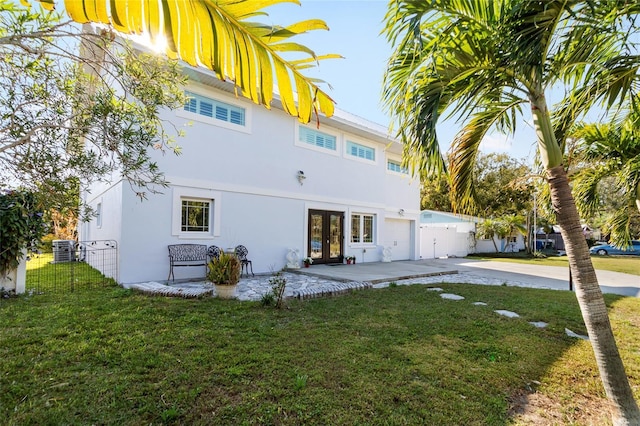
301, 176
401, 212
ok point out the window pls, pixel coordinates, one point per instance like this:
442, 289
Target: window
99, 215
362, 226
396, 166
195, 212
316, 138
214, 109
195, 216
361, 151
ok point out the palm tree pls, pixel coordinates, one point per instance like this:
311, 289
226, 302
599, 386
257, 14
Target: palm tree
219, 35
609, 151
488, 229
482, 62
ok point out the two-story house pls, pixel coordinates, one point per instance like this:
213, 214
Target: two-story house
257, 177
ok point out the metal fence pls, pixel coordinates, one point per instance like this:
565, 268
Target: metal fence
72, 266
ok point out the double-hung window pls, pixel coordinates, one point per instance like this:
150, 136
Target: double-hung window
362, 228
361, 151
215, 109
316, 138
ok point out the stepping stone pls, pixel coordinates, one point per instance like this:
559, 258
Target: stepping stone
479, 303
451, 296
539, 324
434, 289
577, 336
507, 313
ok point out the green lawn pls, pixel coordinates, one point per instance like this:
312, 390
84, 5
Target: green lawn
628, 265
43, 275
400, 355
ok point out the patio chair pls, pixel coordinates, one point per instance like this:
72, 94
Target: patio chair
241, 254
213, 252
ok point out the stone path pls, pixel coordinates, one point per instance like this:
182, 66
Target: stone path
508, 314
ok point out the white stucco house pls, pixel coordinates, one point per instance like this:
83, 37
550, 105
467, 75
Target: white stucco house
444, 234
257, 177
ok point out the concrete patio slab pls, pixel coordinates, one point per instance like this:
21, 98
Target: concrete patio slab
379, 271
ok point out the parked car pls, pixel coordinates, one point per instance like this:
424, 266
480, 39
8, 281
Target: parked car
604, 249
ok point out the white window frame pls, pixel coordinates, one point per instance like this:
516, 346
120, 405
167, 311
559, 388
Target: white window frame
221, 98
334, 152
350, 156
213, 197
403, 171
374, 229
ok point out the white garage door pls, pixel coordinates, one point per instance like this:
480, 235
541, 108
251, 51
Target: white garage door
398, 236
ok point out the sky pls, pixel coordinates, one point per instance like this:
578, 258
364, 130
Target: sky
356, 80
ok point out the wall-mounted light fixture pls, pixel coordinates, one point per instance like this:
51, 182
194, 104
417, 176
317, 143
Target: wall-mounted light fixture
401, 212
301, 177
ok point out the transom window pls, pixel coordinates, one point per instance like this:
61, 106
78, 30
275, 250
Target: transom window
362, 226
196, 215
396, 166
361, 151
316, 138
214, 109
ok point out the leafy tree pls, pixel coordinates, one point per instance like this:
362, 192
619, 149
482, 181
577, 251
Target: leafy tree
608, 176
434, 193
60, 125
483, 61
502, 186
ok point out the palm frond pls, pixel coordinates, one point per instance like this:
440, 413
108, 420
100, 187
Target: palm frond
217, 35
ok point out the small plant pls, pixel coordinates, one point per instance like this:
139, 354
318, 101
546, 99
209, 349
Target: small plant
300, 382
393, 284
268, 299
170, 415
225, 270
350, 259
278, 284
307, 261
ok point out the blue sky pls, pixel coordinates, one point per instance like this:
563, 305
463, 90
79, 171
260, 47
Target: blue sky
356, 80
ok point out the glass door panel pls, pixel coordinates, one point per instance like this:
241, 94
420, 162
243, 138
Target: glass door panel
316, 221
325, 236
335, 235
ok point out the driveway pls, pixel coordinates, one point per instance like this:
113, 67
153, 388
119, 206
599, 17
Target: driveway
554, 277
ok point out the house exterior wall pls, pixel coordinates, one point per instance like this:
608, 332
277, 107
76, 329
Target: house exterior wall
251, 176
448, 234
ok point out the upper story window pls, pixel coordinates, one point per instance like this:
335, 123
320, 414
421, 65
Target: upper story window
316, 138
215, 109
396, 166
361, 151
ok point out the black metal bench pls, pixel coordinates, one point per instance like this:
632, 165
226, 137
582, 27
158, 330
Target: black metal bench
187, 255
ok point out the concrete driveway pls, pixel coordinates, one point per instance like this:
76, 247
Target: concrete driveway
541, 276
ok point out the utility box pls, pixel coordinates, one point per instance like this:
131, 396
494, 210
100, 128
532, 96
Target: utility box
63, 250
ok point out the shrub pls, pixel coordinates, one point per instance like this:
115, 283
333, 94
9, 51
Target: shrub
225, 270
21, 227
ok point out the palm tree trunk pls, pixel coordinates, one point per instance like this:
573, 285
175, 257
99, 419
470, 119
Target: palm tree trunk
592, 305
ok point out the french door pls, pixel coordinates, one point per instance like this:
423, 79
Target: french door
325, 236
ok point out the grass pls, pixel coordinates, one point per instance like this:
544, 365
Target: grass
45, 276
400, 355
627, 265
